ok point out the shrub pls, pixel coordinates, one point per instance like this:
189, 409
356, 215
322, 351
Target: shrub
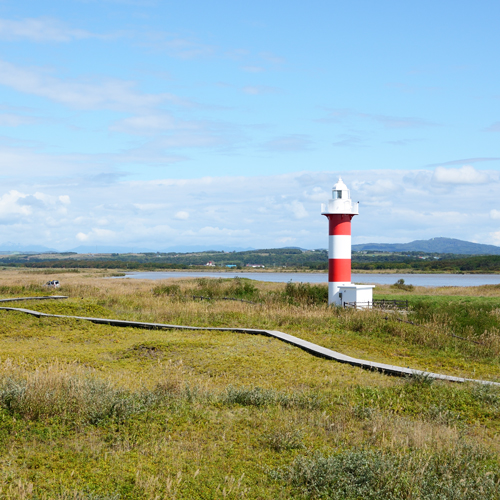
284, 439
420, 379
305, 293
250, 397
209, 287
465, 473
463, 316
83, 495
89, 400
266, 397
22, 290
242, 289
488, 394
166, 290
54, 393
400, 285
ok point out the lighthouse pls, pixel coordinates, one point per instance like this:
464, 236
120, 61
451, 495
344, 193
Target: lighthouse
340, 210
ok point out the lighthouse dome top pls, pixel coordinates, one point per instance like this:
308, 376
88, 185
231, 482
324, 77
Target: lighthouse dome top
341, 202
340, 191
339, 186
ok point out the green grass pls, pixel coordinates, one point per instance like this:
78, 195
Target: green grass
467, 316
99, 412
463, 473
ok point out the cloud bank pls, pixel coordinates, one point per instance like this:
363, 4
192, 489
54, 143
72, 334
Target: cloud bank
259, 212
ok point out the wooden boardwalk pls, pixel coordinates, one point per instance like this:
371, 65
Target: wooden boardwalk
17, 299
309, 347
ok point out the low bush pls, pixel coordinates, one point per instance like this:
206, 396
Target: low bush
420, 379
256, 396
23, 290
284, 439
465, 316
166, 290
400, 285
305, 293
87, 400
253, 397
242, 289
82, 495
236, 288
54, 393
463, 473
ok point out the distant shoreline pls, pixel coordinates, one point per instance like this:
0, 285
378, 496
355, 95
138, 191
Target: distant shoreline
301, 271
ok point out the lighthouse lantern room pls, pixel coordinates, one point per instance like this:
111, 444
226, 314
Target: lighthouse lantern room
340, 210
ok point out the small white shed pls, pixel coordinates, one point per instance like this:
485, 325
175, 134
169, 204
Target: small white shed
360, 295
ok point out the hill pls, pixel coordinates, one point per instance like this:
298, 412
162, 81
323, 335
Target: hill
434, 245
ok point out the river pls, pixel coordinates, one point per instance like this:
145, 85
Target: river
381, 279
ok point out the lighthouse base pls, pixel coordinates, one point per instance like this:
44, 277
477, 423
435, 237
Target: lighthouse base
358, 296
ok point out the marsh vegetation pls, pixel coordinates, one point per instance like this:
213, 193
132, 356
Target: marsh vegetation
98, 412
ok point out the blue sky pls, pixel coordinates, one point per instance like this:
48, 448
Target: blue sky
157, 123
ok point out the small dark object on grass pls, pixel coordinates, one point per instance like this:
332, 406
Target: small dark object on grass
400, 285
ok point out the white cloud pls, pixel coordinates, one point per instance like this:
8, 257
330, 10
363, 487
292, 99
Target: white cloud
495, 238
33, 162
389, 122
18, 207
152, 122
494, 127
381, 187
82, 237
297, 208
201, 139
12, 203
46, 198
218, 232
145, 123
317, 194
272, 58
259, 89
109, 94
182, 215
247, 211
12, 120
286, 240
176, 46
97, 168
97, 235
42, 29
465, 161
465, 175
288, 143
150, 206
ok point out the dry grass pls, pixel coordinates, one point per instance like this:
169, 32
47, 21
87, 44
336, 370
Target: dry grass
208, 414
452, 291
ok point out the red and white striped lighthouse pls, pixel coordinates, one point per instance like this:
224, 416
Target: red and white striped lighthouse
340, 210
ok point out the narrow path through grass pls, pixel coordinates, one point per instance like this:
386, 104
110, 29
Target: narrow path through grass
310, 347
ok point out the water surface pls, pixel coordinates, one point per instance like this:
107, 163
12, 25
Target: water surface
381, 279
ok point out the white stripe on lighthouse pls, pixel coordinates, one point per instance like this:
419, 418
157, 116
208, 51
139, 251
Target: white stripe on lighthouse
339, 247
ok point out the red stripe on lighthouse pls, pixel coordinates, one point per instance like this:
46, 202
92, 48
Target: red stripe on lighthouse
340, 224
339, 270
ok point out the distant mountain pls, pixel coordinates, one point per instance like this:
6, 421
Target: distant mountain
205, 248
108, 249
434, 245
137, 249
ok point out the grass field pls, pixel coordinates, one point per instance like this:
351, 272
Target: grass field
98, 412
